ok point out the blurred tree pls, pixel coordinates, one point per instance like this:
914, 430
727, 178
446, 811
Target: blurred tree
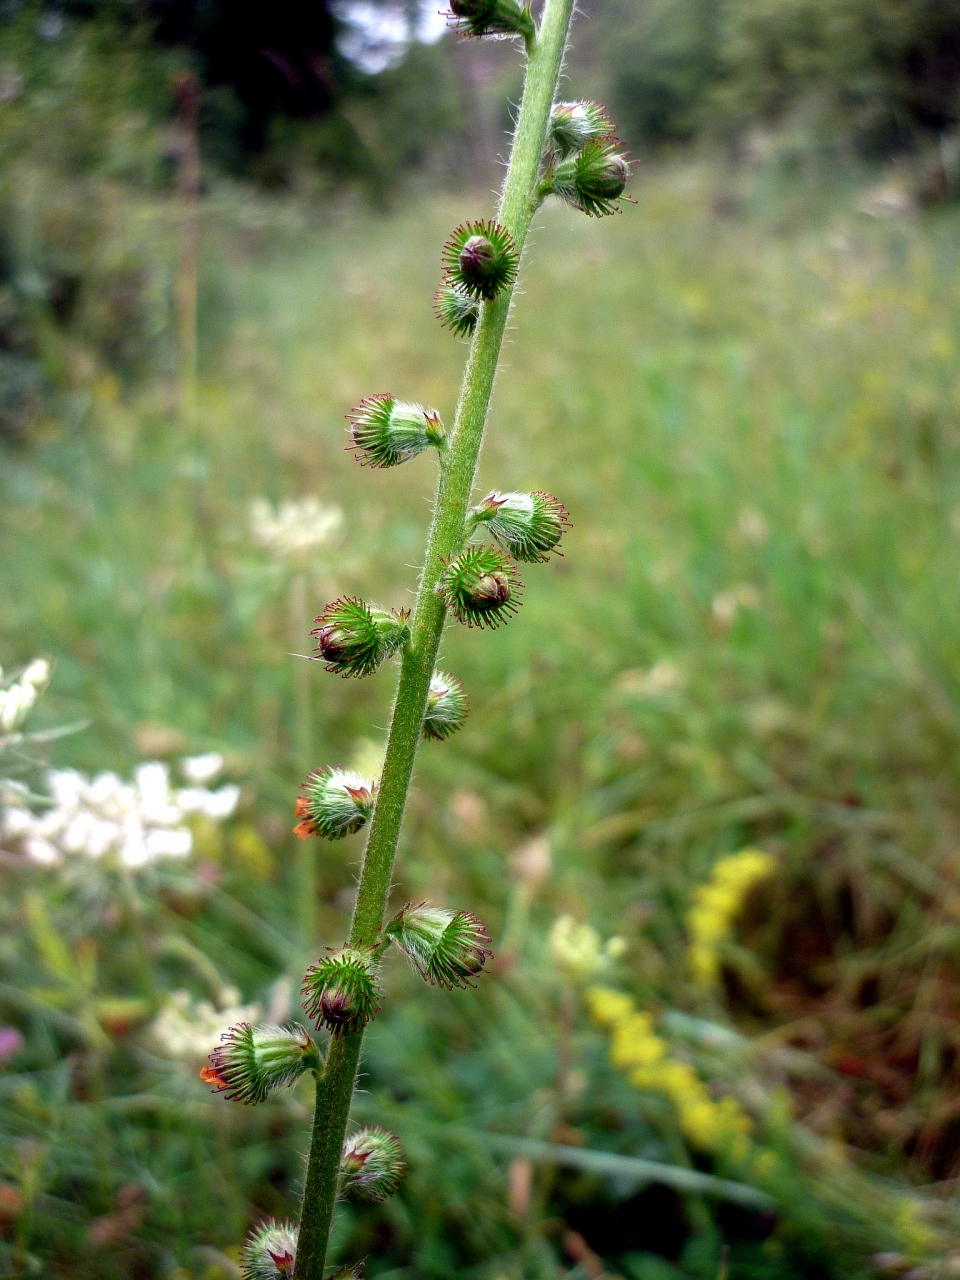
883, 74
277, 59
663, 58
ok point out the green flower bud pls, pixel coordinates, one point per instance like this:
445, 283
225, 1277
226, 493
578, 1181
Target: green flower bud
572, 124
447, 707
481, 586
354, 638
253, 1061
348, 1273
388, 431
335, 803
270, 1251
491, 18
592, 179
480, 259
445, 947
371, 1165
342, 990
456, 310
528, 525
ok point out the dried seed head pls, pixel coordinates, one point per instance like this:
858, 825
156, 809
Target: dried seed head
592, 179
480, 259
447, 706
456, 310
528, 525
270, 1251
572, 124
335, 803
342, 990
445, 947
354, 638
501, 18
481, 586
371, 1165
252, 1061
387, 431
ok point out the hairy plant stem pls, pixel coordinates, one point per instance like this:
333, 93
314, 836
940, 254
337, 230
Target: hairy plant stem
458, 466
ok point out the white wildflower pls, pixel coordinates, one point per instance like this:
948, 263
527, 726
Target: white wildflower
42, 851
201, 769
221, 803
18, 698
217, 805
294, 528
133, 822
578, 951
188, 1030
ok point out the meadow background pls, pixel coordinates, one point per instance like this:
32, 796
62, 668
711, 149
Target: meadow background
707, 799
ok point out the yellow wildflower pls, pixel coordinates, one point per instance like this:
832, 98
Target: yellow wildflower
715, 906
643, 1056
608, 1007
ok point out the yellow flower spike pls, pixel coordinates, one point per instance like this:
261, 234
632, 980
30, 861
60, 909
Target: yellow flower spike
608, 1007
714, 908
644, 1058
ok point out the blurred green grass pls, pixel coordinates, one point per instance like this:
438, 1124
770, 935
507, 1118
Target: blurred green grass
749, 401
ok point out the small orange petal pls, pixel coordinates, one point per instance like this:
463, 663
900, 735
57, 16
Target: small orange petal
304, 830
302, 807
209, 1075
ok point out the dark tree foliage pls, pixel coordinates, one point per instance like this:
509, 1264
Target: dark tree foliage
884, 74
276, 58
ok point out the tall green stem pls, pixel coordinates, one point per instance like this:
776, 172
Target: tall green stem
457, 470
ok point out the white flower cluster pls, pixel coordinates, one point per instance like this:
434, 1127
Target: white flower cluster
295, 527
136, 821
188, 1030
578, 950
18, 698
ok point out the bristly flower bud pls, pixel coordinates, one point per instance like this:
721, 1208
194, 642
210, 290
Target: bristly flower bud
335, 803
371, 1165
387, 431
491, 18
253, 1061
447, 707
592, 179
456, 310
480, 259
445, 947
572, 124
528, 525
481, 586
270, 1251
342, 990
354, 638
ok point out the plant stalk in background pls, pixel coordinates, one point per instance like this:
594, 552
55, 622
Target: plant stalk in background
568, 151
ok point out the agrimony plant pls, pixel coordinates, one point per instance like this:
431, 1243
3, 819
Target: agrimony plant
566, 150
